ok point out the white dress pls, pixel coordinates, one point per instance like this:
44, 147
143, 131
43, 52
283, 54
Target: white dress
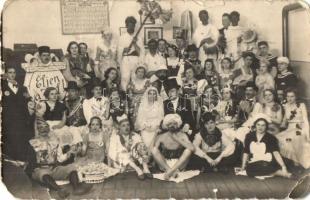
149, 117
293, 141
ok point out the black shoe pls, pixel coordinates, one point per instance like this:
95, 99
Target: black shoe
148, 175
141, 177
82, 188
63, 193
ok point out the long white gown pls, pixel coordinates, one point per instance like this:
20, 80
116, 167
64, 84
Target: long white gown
149, 117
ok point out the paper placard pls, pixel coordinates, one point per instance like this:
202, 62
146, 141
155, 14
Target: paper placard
84, 16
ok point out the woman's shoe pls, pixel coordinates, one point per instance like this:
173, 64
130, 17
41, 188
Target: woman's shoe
148, 175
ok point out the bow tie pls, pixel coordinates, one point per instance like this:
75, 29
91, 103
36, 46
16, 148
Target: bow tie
250, 100
98, 99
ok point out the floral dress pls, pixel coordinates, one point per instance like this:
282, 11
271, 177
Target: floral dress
293, 141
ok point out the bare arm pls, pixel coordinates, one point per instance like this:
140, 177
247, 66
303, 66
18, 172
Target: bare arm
182, 139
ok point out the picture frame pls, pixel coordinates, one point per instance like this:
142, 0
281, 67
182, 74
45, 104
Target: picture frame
122, 30
152, 33
179, 31
149, 21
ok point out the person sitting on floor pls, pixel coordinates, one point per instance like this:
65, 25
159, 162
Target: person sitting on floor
261, 155
127, 149
213, 150
54, 161
173, 144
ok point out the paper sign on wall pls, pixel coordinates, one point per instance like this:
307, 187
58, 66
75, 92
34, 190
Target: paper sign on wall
84, 16
38, 78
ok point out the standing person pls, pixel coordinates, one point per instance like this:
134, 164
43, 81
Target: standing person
153, 60
233, 36
263, 53
294, 140
264, 79
204, 35
126, 149
149, 116
178, 105
261, 155
213, 150
106, 55
74, 104
75, 69
226, 23
129, 58
173, 144
285, 78
175, 65
17, 117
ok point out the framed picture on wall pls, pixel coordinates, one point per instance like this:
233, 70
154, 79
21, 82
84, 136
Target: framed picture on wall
152, 33
122, 30
179, 31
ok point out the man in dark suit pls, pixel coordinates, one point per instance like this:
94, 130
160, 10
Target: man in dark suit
178, 105
17, 116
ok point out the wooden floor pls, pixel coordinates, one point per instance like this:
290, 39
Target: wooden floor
127, 186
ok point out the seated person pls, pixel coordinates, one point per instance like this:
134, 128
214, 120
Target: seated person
263, 53
54, 162
126, 149
153, 60
52, 110
74, 105
96, 138
261, 155
246, 105
285, 78
173, 144
213, 149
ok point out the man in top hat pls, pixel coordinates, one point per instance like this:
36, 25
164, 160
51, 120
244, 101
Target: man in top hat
74, 104
205, 35
178, 105
153, 60
129, 57
285, 78
173, 144
97, 105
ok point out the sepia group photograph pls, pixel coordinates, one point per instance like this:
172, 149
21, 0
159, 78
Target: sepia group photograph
155, 99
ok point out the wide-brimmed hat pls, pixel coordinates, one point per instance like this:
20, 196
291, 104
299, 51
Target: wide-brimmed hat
249, 36
72, 85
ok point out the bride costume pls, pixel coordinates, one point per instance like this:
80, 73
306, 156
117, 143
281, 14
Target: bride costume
149, 117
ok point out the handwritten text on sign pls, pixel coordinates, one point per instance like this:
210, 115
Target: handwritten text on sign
84, 16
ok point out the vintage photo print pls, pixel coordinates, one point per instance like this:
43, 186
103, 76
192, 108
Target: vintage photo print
155, 99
